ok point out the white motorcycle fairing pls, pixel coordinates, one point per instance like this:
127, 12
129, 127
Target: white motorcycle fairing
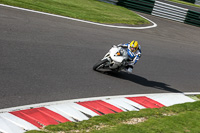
116, 56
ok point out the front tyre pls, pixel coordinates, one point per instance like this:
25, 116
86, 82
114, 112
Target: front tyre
100, 65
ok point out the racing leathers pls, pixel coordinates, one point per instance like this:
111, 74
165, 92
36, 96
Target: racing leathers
133, 57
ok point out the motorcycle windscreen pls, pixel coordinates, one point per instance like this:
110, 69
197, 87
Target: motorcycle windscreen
118, 58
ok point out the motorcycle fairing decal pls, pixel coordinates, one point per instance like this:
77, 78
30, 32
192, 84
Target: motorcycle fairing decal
130, 54
118, 53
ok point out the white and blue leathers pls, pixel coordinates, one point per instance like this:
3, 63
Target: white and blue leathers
133, 56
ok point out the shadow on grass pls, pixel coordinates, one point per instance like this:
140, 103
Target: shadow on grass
142, 81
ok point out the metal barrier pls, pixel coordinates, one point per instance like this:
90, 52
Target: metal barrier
197, 2
169, 11
190, 1
145, 6
193, 18
163, 10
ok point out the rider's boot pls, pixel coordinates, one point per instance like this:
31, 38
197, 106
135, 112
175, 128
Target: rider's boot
129, 69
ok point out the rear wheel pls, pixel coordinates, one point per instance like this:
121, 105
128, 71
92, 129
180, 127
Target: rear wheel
100, 65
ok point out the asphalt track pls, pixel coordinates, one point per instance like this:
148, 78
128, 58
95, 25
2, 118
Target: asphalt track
44, 58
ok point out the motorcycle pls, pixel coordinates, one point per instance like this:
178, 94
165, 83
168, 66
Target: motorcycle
114, 60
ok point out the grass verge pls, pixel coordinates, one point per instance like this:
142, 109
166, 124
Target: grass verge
181, 118
91, 10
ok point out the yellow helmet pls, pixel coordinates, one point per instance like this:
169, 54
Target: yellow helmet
133, 46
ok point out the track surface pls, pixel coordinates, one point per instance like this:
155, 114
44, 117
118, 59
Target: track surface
44, 58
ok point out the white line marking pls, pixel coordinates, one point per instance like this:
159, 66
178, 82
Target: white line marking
192, 93
59, 16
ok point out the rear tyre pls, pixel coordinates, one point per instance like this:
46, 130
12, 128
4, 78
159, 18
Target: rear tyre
101, 64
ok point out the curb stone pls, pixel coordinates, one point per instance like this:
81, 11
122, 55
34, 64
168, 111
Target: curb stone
36, 116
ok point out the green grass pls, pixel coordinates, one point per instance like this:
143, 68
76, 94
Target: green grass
91, 10
181, 118
185, 3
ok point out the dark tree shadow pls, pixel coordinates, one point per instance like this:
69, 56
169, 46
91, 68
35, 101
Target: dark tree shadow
142, 81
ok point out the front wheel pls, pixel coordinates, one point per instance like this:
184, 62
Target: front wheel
101, 64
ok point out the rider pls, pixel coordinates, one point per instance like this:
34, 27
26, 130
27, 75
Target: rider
134, 54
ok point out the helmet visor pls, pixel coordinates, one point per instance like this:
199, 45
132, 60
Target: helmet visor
133, 49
